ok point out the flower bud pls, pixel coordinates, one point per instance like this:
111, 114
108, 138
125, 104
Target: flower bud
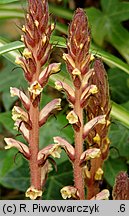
48, 109
12, 143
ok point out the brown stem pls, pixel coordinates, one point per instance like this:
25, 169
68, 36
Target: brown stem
35, 170
78, 178
93, 186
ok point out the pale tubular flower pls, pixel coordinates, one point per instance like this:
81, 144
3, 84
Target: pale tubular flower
66, 146
86, 172
69, 192
47, 110
44, 153
12, 143
19, 61
25, 100
59, 85
51, 69
92, 123
35, 89
90, 90
19, 113
45, 169
69, 59
76, 72
33, 193
72, 117
90, 154
97, 139
55, 151
21, 126
103, 195
52, 149
98, 174
87, 77
27, 53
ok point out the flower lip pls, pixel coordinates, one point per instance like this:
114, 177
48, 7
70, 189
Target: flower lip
19, 113
89, 154
48, 109
69, 149
35, 89
69, 192
33, 193
25, 100
72, 117
12, 143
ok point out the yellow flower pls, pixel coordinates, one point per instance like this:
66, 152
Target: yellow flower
72, 117
35, 89
68, 192
27, 53
99, 174
33, 193
55, 151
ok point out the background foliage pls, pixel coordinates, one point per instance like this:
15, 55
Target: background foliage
109, 22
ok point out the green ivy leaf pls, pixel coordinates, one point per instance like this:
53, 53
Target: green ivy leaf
10, 76
9, 164
119, 136
7, 1
112, 167
17, 178
7, 122
106, 25
119, 85
56, 181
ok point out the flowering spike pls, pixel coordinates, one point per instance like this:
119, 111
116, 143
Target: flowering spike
78, 44
12, 143
92, 123
48, 109
121, 187
24, 99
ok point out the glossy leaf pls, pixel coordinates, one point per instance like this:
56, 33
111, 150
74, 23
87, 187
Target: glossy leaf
61, 42
119, 136
7, 1
56, 181
106, 25
112, 167
119, 85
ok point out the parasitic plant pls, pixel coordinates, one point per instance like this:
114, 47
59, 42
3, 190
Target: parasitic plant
88, 94
121, 187
28, 120
89, 91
